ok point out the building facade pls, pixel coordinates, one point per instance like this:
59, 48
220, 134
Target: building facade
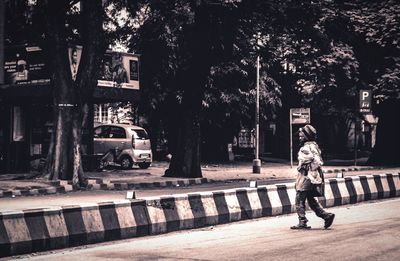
26, 112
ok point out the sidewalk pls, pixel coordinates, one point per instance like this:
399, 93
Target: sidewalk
13, 185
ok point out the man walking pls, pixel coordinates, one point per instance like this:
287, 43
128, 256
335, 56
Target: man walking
309, 168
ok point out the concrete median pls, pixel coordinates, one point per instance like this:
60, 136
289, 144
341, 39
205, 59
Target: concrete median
45, 229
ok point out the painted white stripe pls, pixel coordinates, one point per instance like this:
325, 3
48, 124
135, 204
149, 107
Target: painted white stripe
87, 206
126, 220
385, 185
255, 202
292, 197
93, 223
276, 203
329, 197
235, 212
343, 191
55, 223
359, 189
156, 215
186, 218
209, 208
372, 187
16, 235
396, 181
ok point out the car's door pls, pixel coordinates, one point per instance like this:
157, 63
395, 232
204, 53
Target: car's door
99, 137
116, 139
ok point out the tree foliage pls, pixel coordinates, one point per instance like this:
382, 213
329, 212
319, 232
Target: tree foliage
316, 54
198, 66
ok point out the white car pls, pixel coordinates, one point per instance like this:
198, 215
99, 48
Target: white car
131, 142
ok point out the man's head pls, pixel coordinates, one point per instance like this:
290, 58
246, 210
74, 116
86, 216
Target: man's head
307, 133
74, 56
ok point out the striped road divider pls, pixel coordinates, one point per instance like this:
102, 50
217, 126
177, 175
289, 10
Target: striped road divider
61, 186
59, 227
97, 184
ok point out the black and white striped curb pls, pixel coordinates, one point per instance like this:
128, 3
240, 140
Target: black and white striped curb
350, 169
61, 186
99, 184
44, 229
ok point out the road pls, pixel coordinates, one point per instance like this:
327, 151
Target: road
71, 198
366, 231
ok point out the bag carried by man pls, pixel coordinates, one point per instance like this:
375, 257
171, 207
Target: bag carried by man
318, 189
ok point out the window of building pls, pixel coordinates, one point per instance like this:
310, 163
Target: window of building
18, 124
101, 113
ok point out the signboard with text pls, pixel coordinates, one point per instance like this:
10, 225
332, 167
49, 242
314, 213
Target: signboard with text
25, 64
120, 70
297, 116
300, 116
365, 101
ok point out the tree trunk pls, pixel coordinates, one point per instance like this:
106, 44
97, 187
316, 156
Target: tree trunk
386, 149
186, 157
186, 153
71, 98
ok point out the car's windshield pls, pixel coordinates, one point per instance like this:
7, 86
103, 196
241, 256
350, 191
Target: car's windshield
140, 134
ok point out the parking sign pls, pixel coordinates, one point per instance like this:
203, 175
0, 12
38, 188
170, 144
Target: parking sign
365, 101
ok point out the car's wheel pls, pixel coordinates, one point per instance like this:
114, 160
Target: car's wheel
144, 165
126, 162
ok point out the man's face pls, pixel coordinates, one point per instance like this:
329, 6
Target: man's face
74, 56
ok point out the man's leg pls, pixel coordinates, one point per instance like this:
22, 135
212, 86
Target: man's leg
320, 212
301, 210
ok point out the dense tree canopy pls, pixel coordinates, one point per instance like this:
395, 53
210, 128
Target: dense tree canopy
316, 54
198, 65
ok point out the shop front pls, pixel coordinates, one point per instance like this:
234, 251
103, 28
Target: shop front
26, 112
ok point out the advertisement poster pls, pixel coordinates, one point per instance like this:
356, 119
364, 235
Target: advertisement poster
25, 65
120, 70
74, 55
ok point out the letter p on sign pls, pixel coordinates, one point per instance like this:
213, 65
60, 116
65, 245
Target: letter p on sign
365, 101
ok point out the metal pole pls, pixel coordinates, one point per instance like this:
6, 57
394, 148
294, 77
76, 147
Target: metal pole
291, 138
258, 109
2, 25
355, 142
257, 161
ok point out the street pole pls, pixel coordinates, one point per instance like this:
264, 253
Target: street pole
355, 141
257, 161
2, 25
291, 138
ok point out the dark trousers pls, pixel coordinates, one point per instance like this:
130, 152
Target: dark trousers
301, 197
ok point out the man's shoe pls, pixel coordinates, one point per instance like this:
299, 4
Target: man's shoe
300, 226
329, 220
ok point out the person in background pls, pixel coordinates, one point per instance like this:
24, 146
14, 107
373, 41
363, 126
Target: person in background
21, 74
120, 75
74, 63
309, 167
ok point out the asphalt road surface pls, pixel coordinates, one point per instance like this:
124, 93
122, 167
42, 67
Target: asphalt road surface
366, 231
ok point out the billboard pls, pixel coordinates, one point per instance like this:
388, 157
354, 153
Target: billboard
25, 64
120, 70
